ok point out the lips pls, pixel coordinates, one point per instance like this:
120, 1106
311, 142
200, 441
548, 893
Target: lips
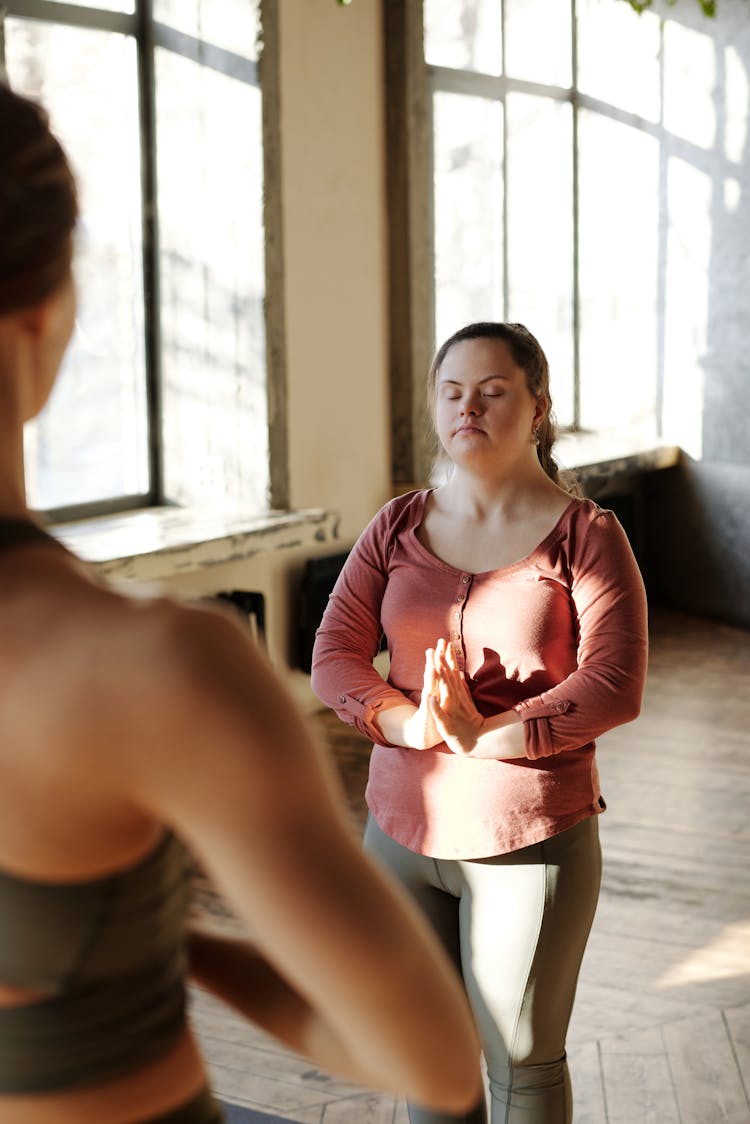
467, 429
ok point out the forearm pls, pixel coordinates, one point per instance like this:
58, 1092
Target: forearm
406, 725
501, 738
232, 970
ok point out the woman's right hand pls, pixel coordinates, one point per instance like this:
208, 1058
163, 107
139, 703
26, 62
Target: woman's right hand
414, 726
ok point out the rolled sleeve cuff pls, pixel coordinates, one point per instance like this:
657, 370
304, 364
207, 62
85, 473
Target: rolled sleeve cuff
536, 715
363, 715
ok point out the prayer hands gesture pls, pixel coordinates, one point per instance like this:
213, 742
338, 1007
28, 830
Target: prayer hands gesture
455, 717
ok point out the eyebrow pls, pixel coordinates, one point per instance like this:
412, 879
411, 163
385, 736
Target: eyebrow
489, 378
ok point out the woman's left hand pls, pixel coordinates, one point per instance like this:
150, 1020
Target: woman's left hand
458, 721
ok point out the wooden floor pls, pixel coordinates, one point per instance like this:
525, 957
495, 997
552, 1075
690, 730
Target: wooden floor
661, 1029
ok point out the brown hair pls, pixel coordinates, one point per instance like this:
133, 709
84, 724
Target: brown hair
38, 205
528, 355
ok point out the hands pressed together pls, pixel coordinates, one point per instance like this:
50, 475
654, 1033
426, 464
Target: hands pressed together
446, 711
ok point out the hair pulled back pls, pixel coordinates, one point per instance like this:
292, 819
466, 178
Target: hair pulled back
527, 354
38, 205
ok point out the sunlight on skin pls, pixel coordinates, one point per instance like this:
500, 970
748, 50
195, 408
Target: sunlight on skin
726, 956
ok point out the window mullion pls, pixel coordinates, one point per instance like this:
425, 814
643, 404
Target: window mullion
151, 294
506, 221
576, 311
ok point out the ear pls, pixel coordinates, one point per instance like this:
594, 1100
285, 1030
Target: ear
541, 410
38, 319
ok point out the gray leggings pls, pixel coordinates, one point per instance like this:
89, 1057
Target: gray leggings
516, 927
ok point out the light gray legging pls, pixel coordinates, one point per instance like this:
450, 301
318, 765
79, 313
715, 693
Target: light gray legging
516, 926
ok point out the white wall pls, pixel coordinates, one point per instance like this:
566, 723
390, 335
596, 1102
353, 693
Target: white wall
333, 199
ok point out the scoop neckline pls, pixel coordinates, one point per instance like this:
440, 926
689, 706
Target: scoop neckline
541, 546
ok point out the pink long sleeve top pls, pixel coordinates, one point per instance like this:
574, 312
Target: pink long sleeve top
560, 637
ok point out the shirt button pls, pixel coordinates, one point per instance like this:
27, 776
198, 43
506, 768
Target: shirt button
559, 706
461, 596
457, 616
342, 698
465, 579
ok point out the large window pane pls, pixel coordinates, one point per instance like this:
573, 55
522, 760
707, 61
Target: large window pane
619, 262
464, 34
540, 233
468, 144
534, 54
618, 56
90, 442
690, 77
212, 284
688, 280
231, 24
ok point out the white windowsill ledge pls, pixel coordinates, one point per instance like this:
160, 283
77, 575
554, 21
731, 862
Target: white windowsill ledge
155, 543
152, 544
601, 456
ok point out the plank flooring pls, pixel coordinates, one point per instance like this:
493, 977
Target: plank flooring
661, 1029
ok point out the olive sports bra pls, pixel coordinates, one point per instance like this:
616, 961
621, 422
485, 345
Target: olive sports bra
108, 953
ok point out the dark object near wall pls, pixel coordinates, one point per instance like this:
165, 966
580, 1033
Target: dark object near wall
698, 539
318, 579
251, 606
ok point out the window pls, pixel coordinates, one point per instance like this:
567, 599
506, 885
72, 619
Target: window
163, 394
574, 166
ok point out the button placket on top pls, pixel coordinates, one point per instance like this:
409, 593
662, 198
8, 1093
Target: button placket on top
456, 618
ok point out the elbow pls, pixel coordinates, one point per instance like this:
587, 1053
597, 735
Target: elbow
456, 1090
629, 708
320, 680
634, 698
635, 710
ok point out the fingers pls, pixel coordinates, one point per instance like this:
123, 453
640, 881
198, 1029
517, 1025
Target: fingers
428, 682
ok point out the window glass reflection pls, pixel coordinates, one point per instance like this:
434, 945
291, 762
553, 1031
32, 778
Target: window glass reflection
688, 280
231, 24
464, 34
618, 56
619, 262
689, 84
534, 54
468, 142
212, 284
540, 233
90, 443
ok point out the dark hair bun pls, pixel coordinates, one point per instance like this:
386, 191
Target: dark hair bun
38, 204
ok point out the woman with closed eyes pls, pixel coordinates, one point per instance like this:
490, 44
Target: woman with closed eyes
515, 617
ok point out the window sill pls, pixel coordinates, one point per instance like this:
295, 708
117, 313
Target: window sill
152, 544
598, 457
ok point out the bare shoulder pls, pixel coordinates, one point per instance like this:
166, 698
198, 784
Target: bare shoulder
202, 712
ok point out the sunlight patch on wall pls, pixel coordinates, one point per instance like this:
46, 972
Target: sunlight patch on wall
736, 102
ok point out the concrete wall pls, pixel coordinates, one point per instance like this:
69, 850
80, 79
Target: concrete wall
698, 515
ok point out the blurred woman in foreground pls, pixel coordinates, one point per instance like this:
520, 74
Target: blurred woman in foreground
133, 733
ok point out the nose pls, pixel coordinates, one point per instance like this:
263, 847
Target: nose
471, 404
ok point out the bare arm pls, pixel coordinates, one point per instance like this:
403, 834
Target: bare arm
412, 726
344, 969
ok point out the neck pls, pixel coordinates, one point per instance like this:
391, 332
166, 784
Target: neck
507, 490
12, 480
12, 484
